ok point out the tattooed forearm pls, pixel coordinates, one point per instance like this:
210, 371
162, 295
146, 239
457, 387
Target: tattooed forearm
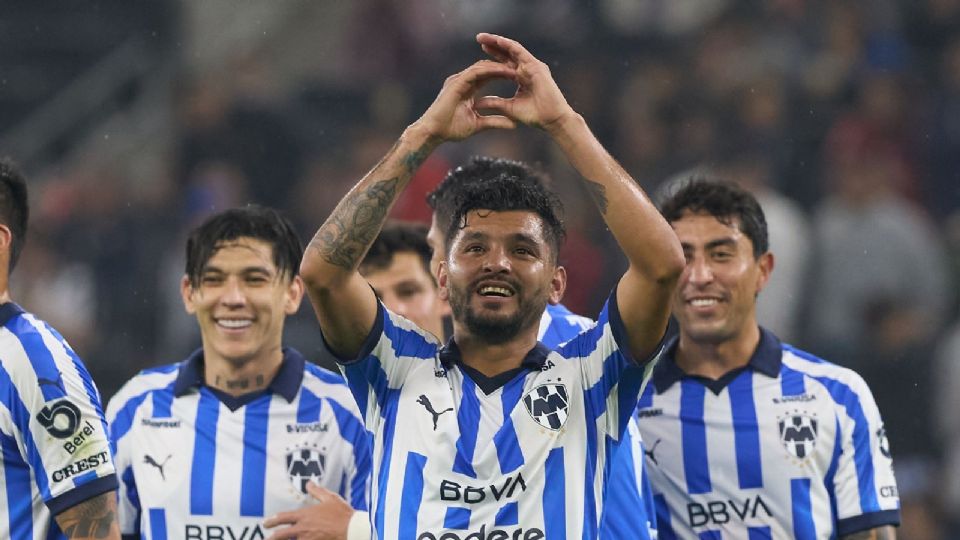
881, 533
93, 518
413, 160
599, 194
353, 225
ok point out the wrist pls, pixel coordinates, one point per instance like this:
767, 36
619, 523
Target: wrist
359, 526
565, 125
420, 135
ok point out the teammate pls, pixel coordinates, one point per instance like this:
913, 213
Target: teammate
493, 434
749, 437
243, 427
55, 458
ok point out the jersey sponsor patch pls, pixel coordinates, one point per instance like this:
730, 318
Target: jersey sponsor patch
547, 405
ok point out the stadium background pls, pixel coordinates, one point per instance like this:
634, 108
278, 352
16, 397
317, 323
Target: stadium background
135, 120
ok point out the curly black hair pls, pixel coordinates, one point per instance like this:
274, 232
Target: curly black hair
397, 237
725, 201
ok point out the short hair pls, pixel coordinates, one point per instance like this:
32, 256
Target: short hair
14, 207
500, 185
397, 237
726, 202
251, 221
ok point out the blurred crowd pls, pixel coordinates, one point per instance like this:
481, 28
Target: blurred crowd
842, 116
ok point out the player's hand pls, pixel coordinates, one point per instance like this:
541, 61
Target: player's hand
326, 520
453, 115
538, 101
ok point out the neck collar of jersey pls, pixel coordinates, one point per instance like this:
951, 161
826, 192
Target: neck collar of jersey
8, 311
534, 360
766, 359
286, 382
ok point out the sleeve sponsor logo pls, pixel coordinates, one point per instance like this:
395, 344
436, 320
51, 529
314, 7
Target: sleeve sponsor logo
884, 443
82, 436
81, 466
60, 419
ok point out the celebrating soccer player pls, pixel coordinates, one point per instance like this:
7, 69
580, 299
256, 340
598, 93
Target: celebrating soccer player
56, 455
749, 437
243, 428
494, 434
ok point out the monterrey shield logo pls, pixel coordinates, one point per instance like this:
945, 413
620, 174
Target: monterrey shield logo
304, 465
547, 404
798, 433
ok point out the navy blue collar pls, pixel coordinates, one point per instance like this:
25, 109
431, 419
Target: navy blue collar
534, 360
286, 383
8, 311
766, 359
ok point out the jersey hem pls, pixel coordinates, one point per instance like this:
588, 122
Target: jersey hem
868, 521
81, 493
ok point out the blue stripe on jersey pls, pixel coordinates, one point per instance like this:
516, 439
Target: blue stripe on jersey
646, 398
17, 477
309, 407
468, 418
39, 356
554, 500
353, 431
132, 494
204, 454
158, 524
803, 526
862, 457
21, 421
124, 419
759, 533
456, 517
505, 441
664, 526
256, 417
92, 394
746, 431
623, 500
590, 468
710, 535
82, 479
791, 382
694, 437
162, 403
412, 495
389, 414
828, 479
509, 514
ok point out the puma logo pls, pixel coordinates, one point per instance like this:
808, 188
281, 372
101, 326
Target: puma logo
152, 462
429, 407
649, 453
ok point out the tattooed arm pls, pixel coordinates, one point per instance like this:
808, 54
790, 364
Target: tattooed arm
648, 241
344, 303
95, 517
887, 532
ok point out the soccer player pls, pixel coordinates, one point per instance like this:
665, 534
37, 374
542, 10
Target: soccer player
243, 427
748, 437
494, 435
55, 465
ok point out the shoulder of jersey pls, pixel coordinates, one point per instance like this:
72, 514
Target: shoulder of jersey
325, 383
815, 367
147, 380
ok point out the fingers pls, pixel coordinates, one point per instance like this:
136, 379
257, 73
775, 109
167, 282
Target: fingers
283, 518
483, 71
502, 48
495, 121
289, 533
320, 493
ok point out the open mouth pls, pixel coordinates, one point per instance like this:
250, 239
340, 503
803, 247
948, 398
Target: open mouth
234, 324
495, 291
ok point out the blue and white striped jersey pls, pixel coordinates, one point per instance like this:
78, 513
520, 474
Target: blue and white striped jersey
528, 460
192, 467
55, 451
559, 325
790, 446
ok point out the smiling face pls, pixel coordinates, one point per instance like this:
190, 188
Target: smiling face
499, 274
716, 299
406, 288
241, 301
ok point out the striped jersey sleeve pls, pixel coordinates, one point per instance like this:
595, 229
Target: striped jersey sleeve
559, 325
55, 448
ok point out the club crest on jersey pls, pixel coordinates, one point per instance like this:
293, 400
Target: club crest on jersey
798, 433
547, 404
305, 464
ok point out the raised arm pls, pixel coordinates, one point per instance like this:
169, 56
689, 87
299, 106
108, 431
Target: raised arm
95, 517
345, 305
648, 241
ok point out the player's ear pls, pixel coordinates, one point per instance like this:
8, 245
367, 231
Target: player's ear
765, 263
442, 278
558, 285
186, 292
294, 295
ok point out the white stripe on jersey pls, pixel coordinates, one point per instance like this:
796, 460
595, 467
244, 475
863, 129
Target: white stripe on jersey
452, 461
52, 430
772, 454
190, 467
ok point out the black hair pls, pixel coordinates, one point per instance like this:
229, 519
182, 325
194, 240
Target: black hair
251, 221
500, 185
14, 207
397, 237
726, 202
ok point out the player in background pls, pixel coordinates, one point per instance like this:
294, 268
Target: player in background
749, 437
434, 441
55, 468
244, 427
